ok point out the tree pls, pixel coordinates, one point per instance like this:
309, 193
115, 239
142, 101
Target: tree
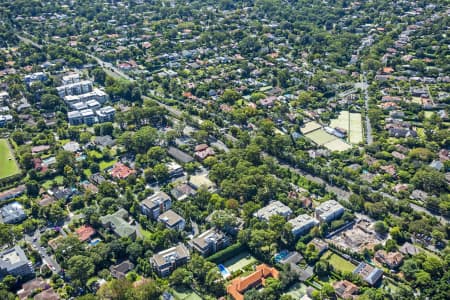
80, 268
322, 268
429, 180
181, 277
381, 228
144, 138
64, 158
230, 96
161, 172
32, 188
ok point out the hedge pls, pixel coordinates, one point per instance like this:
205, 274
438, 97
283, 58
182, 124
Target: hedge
227, 253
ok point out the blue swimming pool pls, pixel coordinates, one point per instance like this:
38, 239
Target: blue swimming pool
281, 255
94, 242
224, 271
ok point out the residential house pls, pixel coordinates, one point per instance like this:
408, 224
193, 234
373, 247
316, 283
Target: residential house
390, 259
121, 171
345, 289
106, 114
273, 208
155, 205
12, 213
12, 193
118, 224
182, 191
104, 141
168, 260
14, 262
329, 210
172, 220
302, 224
409, 249
30, 287
174, 170
48, 294
419, 195
240, 285
120, 270
209, 242
201, 181
320, 245
180, 155
85, 233
203, 151
368, 273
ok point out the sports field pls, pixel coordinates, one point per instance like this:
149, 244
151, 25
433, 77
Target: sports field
351, 122
339, 263
320, 137
8, 165
239, 262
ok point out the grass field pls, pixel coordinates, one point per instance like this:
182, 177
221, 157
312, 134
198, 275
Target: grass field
309, 127
320, 137
297, 291
8, 165
106, 164
339, 263
58, 179
180, 294
351, 122
239, 262
337, 145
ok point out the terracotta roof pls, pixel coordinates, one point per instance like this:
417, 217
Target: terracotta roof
239, 285
85, 232
121, 171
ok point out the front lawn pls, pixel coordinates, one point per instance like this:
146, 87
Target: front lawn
8, 165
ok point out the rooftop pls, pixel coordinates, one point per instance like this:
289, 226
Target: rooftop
166, 256
273, 208
170, 218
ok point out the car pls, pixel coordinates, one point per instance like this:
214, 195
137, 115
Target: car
34, 239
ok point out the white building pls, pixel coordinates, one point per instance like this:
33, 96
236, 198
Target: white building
274, 208
302, 224
329, 210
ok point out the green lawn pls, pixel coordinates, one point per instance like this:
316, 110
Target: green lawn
48, 184
95, 154
338, 262
8, 165
181, 294
106, 164
239, 262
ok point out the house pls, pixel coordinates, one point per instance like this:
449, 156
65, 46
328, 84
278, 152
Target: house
409, 249
345, 289
369, 274
302, 224
155, 205
97, 179
168, 260
31, 286
389, 169
419, 195
203, 151
120, 270
72, 147
180, 155
85, 233
48, 294
172, 220
182, 191
240, 285
209, 242
329, 210
320, 245
201, 181
402, 132
118, 224
14, 262
12, 213
174, 170
273, 208
12, 193
106, 114
75, 118
121, 171
39, 149
390, 259
398, 155
104, 141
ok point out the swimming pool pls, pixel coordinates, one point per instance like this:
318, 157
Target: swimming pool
94, 242
280, 256
224, 271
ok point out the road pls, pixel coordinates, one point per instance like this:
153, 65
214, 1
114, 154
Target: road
28, 41
364, 85
47, 258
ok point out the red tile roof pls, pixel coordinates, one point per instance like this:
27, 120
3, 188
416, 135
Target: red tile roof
121, 171
85, 232
239, 285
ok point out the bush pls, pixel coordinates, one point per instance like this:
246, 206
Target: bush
227, 253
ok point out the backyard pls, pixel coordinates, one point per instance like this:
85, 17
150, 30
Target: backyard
239, 262
184, 294
8, 165
339, 263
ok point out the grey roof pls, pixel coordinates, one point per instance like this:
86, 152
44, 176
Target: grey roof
170, 218
175, 253
12, 259
273, 208
12, 213
155, 200
117, 222
179, 155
